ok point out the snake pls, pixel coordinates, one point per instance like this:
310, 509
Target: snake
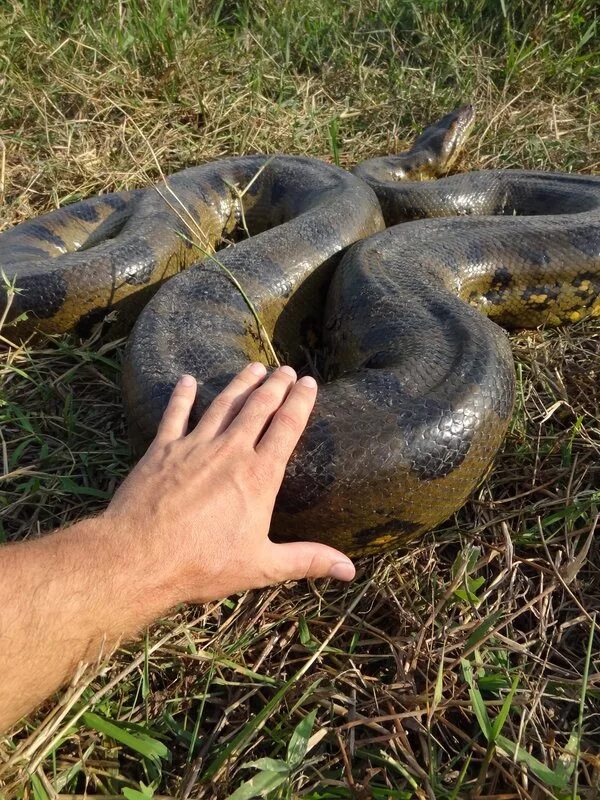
395, 283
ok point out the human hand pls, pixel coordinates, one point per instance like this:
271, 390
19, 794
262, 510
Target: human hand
190, 523
199, 504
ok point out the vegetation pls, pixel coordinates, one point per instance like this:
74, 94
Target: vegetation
466, 666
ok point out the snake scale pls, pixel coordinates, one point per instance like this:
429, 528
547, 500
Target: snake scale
399, 282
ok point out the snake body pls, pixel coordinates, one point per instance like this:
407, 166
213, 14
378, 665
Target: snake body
419, 383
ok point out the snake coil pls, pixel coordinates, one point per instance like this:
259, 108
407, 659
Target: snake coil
386, 274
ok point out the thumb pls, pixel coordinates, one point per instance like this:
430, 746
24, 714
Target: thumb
298, 560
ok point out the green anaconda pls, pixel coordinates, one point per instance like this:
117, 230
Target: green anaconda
418, 383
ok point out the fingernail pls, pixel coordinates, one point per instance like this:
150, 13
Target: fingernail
342, 571
288, 371
308, 381
187, 380
257, 368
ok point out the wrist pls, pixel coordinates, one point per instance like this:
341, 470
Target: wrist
142, 567
117, 591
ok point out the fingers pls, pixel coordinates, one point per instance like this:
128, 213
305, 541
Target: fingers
175, 419
289, 422
244, 406
299, 560
224, 408
262, 403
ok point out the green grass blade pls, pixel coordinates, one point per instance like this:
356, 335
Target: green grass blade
299, 741
477, 701
542, 772
498, 723
146, 745
259, 785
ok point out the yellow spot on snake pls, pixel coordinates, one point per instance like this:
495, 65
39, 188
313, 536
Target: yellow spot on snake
584, 286
385, 539
575, 316
538, 298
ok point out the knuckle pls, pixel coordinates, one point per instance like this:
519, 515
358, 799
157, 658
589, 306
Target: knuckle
170, 450
263, 401
259, 472
272, 573
308, 567
245, 379
288, 421
228, 449
282, 380
159, 452
179, 396
222, 402
253, 421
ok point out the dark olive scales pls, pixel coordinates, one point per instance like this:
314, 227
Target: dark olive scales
420, 384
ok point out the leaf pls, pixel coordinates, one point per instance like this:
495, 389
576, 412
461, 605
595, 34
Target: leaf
305, 637
541, 771
461, 777
269, 764
479, 708
17, 454
565, 766
463, 566
142, 743
460, 563
469, 593
498, 723
392, 762
466, 560
20, 372
39, 793
475, 583
481, 630
492, 682
259, 785
24, 422
587, 35
143, 793
334, 139
439, 684
70, 487
298, 744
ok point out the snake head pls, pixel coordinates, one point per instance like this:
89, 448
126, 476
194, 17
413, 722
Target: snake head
442, 141
458, 126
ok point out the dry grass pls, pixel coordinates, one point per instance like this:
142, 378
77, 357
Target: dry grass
402, 666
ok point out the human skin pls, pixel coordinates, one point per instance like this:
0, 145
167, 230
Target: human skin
189, 524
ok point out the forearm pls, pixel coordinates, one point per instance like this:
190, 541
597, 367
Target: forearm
67, 598
189, 524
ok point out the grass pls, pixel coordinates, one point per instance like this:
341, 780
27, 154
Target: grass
467, 666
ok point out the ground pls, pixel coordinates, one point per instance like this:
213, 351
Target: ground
465, 666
